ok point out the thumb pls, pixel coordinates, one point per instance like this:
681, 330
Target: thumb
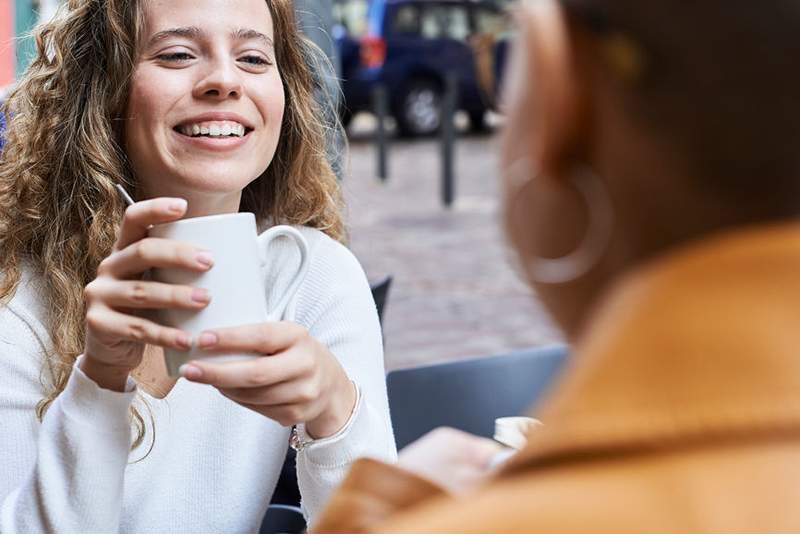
483, 450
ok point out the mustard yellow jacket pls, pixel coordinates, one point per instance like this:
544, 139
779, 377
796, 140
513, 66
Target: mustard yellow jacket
680, 414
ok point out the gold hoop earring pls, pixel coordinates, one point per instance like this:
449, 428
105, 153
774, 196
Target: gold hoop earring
521, 175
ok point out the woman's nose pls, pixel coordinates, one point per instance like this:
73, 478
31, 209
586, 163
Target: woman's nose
222, 80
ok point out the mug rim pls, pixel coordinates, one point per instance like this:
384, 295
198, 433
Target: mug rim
207, 218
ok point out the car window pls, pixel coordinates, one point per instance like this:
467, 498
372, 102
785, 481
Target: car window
445, 21
406, 20
352, 15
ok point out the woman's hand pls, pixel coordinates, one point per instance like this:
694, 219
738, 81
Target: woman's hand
116, 331
450, 458
297, 381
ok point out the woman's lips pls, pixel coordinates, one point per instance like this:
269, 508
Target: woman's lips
219, 143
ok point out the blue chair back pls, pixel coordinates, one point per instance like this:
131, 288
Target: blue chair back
469, 394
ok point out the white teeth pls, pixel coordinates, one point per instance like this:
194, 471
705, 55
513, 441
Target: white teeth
214, 129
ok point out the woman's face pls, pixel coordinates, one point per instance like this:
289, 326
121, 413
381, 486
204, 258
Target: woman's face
206, 101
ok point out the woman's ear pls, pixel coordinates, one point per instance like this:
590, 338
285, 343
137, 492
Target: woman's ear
551, 106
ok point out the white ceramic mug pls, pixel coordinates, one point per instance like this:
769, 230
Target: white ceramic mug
235, 282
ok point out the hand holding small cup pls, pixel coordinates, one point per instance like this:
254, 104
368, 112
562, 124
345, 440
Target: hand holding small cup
450, 458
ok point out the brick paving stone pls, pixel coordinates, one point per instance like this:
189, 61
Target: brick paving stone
455, 294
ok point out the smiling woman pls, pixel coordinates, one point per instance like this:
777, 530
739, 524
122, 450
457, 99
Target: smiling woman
197, 107
193, 90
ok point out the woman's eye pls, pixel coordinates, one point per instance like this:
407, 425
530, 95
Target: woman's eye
255, 60
176, 57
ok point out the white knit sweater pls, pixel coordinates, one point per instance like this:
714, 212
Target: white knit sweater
214, 464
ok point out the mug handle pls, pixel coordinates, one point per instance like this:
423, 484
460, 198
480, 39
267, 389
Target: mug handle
286, 231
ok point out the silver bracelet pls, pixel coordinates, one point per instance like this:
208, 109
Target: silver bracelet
295, 441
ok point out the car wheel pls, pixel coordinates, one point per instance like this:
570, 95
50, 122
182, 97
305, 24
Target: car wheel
419, 110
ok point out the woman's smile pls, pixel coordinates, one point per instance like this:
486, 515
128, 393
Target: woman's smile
214, 131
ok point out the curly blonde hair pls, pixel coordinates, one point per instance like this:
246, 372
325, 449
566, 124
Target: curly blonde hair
59, 211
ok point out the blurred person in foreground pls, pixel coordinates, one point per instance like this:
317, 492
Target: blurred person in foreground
652, 191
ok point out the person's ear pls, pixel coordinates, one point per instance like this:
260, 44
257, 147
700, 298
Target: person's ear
552, 100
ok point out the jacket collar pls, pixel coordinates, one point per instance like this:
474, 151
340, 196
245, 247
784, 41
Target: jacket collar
699, 346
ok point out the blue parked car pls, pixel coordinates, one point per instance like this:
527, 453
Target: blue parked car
410, 45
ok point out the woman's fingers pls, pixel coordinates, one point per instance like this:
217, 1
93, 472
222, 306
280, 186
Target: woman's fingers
140, 294
245, 374
117, 338
263, 338
151, 252
290, 391
300, 381
142, 215
113, 327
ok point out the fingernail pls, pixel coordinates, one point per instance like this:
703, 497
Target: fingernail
207, 339
190, 372
204, 258
184, 341
178, 205
200, 295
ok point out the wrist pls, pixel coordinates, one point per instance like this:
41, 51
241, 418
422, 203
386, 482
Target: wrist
336, 415
106, 376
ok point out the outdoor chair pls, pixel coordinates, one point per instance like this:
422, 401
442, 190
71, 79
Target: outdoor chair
380, 294
470, 394
283, 519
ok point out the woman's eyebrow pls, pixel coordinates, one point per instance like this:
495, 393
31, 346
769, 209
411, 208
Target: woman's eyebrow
193, 32
244, 34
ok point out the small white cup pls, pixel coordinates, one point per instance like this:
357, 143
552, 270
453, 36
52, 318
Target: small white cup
513, 432
235, 282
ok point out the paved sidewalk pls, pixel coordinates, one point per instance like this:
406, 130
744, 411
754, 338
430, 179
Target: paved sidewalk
455, 294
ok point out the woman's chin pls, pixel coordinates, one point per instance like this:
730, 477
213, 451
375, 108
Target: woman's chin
210, 181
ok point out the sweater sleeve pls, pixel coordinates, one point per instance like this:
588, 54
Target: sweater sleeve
336, 306
65, 474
